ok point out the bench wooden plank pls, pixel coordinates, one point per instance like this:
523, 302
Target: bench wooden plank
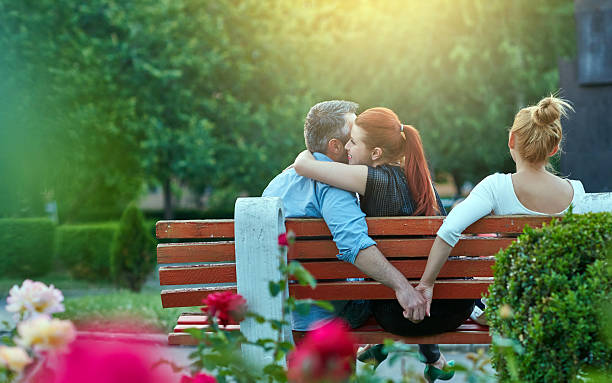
402, 248
378, 226
468, 333
445, 289
204, 228
195, 252
326, 249
449, 289
321, 270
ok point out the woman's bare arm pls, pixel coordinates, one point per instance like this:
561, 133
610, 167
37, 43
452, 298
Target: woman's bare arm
348, 177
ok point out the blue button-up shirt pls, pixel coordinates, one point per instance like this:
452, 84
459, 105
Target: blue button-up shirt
303, 197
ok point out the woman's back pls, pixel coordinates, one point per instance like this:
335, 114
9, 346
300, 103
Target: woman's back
507, 194
543, 192
387, 193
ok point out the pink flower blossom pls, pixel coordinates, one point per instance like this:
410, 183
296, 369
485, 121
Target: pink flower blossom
326, 354
286, 239
108, 361
33, 299
226, 306
199, 378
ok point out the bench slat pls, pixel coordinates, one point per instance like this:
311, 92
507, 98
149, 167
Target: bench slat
326, 249
445, 289
468, 333
197, 274
450, 289
378, 226
321, 270
195, 252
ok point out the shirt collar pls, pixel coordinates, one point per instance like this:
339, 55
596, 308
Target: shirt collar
322, 157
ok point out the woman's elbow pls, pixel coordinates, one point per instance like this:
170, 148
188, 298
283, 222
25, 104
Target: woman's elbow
300, 167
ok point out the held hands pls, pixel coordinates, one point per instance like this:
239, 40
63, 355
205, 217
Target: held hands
426, 291
415, 304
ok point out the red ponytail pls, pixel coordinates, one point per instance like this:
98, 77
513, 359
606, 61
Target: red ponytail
383, 129
417, 174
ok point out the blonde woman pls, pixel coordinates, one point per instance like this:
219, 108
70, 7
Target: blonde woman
535, 136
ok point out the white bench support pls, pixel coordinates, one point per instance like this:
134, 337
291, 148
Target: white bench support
594, 203
257, 225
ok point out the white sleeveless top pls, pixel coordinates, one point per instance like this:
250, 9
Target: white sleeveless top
493, 195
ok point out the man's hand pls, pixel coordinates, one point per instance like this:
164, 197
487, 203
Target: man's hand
426, 291
413, 303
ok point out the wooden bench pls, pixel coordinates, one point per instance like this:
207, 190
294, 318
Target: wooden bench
242, 255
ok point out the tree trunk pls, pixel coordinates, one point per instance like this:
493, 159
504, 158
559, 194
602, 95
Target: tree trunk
458, 183
168, 209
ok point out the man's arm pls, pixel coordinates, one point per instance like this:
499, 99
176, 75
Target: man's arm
372, 262
346, 221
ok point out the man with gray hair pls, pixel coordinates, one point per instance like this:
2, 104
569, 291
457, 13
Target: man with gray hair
326, 132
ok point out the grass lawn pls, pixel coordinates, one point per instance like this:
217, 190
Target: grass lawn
62, 281
142, 309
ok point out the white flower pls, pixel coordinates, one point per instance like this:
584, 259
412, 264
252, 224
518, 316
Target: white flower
33, 299
44, 333
14, 358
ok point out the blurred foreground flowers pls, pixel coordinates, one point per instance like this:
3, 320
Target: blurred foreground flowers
326, 354
33, 299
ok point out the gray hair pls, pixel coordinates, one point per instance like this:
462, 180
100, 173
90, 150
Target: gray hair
326, 121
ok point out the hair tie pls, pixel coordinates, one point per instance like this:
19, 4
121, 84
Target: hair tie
401, 128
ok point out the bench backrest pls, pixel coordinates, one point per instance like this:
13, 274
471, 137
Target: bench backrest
405, 241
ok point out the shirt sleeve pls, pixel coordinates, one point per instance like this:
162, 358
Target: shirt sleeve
345, 220
479, 203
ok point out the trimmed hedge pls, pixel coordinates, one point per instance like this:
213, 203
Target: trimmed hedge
85, 250
555, 281
26, 247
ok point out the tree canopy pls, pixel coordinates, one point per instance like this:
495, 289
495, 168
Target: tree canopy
100, 98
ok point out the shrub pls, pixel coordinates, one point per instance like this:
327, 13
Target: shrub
552, 284
26, 247
132, 256
85, 249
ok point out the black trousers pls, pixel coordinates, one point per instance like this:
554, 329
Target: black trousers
446, 315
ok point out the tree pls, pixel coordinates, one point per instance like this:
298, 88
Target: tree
132, 253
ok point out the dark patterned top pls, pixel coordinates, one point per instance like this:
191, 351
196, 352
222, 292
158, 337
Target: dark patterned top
387, 193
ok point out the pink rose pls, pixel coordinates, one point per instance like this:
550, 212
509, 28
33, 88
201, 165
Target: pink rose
326, 354
199, 378
286, 239
225, 306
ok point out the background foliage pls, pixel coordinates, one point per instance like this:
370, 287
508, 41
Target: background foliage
21, 258
133, 251
556, 282
101, 97
85, 250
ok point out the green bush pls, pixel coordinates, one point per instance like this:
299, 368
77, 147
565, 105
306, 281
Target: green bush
554, 283
85, 249
26, 247
132, 255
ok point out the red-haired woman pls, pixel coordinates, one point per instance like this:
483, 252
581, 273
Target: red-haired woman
387, 167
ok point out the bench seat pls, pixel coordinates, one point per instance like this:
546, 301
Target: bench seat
468, 333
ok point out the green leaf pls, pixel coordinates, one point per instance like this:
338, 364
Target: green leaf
274, 288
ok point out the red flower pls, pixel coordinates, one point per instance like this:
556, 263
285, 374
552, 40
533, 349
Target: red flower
225, 306
199, 378
286, 239
326, 354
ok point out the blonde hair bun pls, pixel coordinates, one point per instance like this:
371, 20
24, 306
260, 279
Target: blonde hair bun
549, 110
